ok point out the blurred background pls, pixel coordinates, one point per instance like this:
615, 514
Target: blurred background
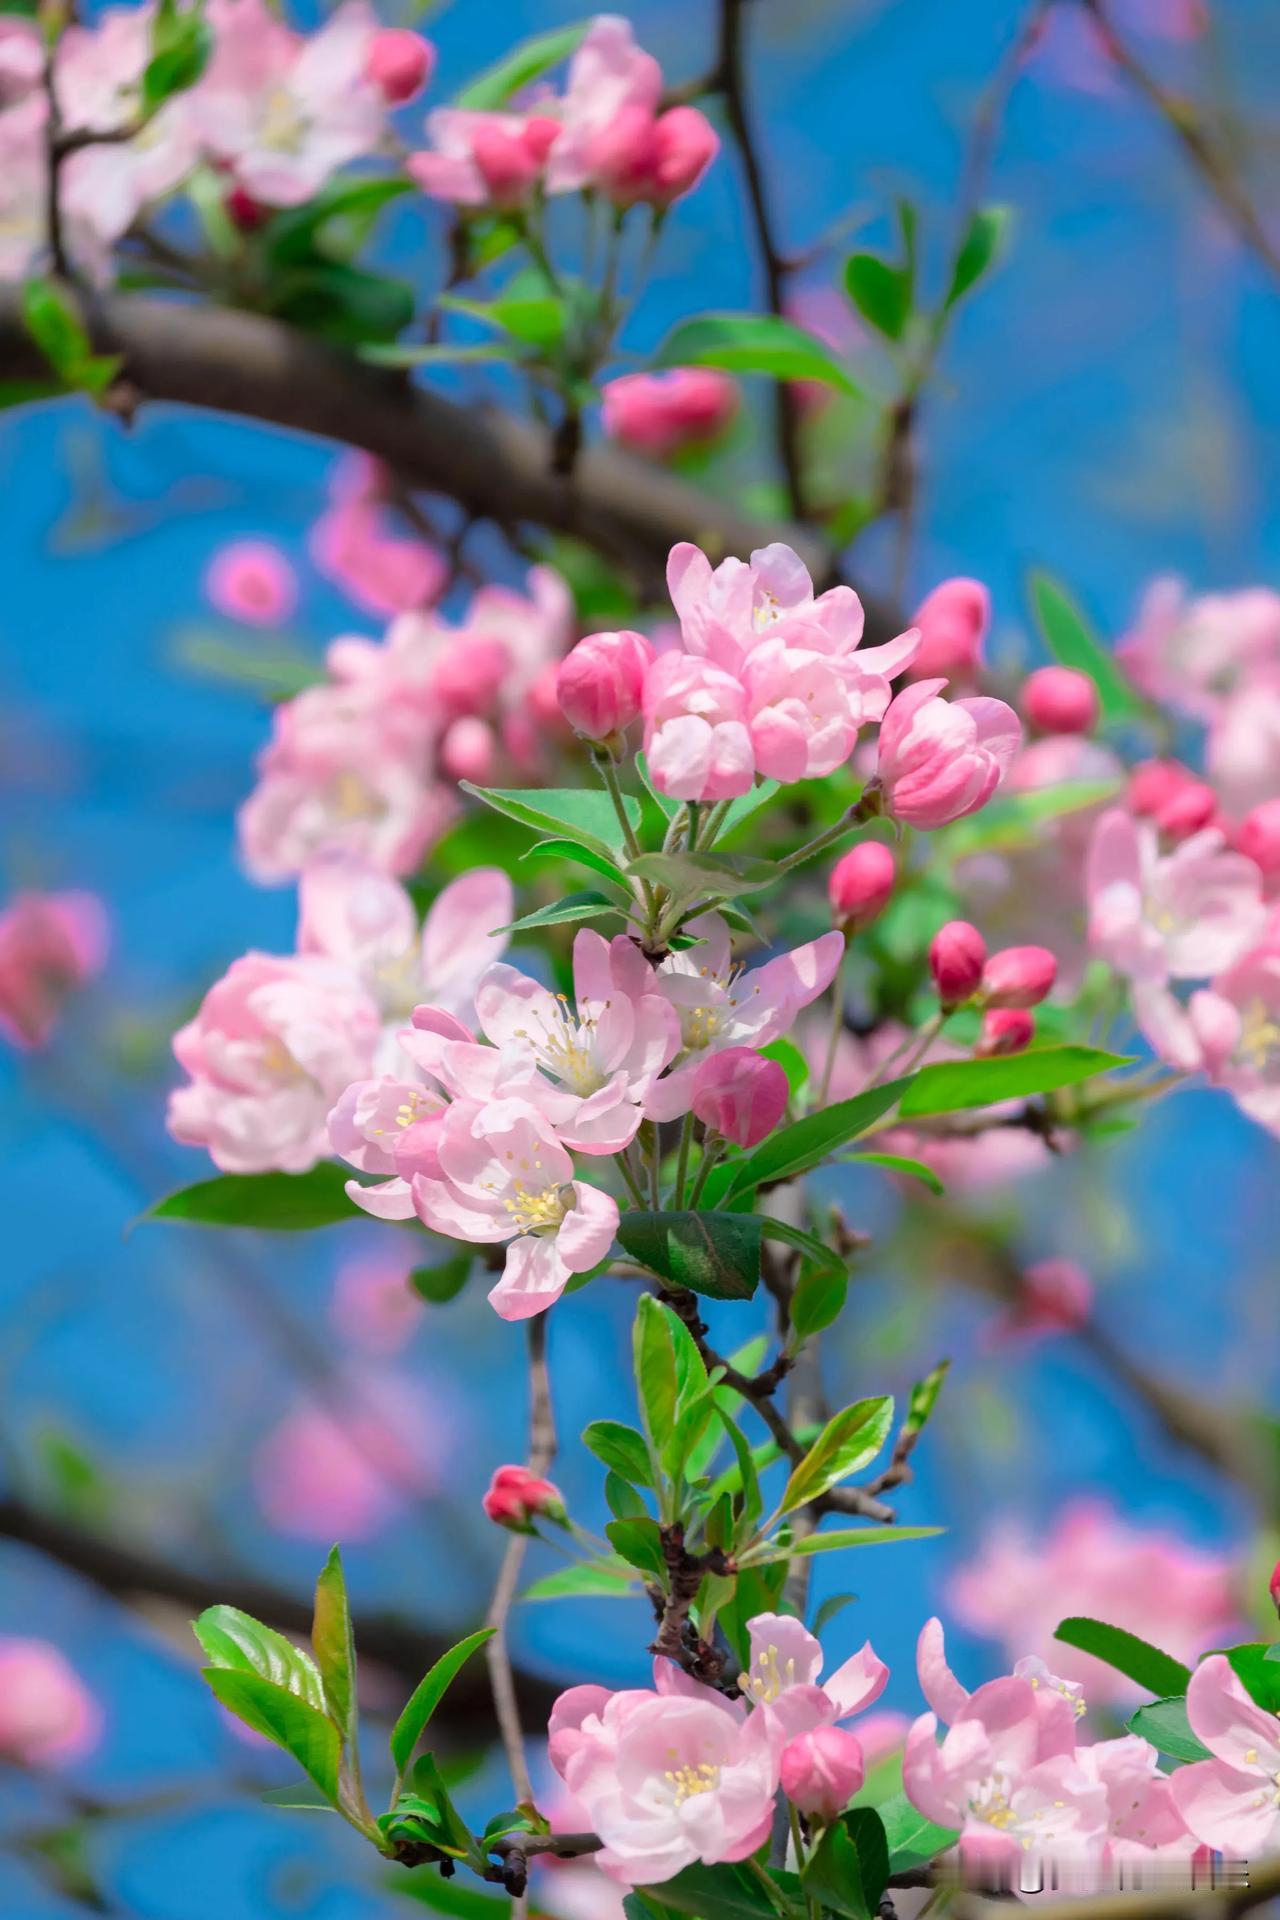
1107, 408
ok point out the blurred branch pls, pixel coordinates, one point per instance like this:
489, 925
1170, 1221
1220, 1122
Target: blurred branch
1198, 143
494, 464
135, 1576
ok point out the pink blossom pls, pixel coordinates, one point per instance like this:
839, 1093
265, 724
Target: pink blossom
1230, 1032
1060, 700
98, 78
1004, 1030
391, 1127
610, 80
1018, 977
1258, 837
1192, 808
721, 1006
91, 221
666, 1778
516, 1497
740, 1094
21, 61
600, 683
320, 1474
659, 413
782, 1676
861, 884
820, 1772
284, 111
641, 157
50, 944
470, 751
483, 159
373, 1306
1242, 757
953, 622
1089, 1561
696, 741
939, 760
48, 1717
252, 581
399, 63
1055, 1296
957, 956
1190, 654
1155, 785
505, 1176
273, 1045
351, 544
1143, 1821
1183, 914
1230, 1802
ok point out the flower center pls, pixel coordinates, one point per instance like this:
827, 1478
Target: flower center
352, 799
282, 128
1259, 1044
688, 1781
565, 1046
537, 1209
767, 1679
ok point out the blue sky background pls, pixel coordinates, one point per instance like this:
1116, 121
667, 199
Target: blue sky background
1107, 409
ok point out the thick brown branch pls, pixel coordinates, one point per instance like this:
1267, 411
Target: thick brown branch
496, 466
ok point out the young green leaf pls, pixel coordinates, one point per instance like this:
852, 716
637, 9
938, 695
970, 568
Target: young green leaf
1071, 642
428, 1694
913, 1840
808, 1142
268, 1202
333, 1644
722, 1892
587, 905
753, 343
717, 1254
705, 876
1257, 1667
849, 1868
579, 814
1165, 1724
979, 252
595, 1582
1158, 1672
861, 1537
622, 1499
880, 292
519, 68
924, 1398
849, 1440
181, 43
279, 1715
657, 1380
953, 1085
897, 1163
238, 1642
639, 1543
818, 1300
445, 1282
622, 1449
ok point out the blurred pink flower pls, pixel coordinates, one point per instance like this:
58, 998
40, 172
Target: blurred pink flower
1089, 1560
50, 944
1242, 756
1184, 915
384, 572
1191, 653
48, 1717
483, 159
1229, 1031
659, 413
373, 1306
953, 622
325, 1475
252, 581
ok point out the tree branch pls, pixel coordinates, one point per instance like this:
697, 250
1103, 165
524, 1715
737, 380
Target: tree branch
495, 465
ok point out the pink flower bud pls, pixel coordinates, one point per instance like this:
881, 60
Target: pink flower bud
860, 884
1057, 1296
600, 683
1018, 976
541, 131
740, 1094
1274, 1588
621, 155
244, 212
957, 955
516, 1498
659, 413
399, 63
1258, 836
953, 620
1004, 1030
469, 751
252, 581
941, 759
505, 163
46, 1714
821, 1771
1192, 807
1154, 783
1060, 700
685, 144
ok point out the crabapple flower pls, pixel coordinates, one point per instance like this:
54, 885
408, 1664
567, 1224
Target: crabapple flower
1231, 1802
400, 63
666, 1778
1060, 700
720, 1006
1018, 977
643, 158
252, 581
516, 1498
483, 159
280, 110
505, 1176
953, 622
318, 1473
389, 1127
1154, 785
658, 413
1142, 1818
600, 683
740, 1094
50, 944
611, 134
1088, 1560
1229, 1031
373, 1306
861, 883
99, 74
352, 545
1184, 914
1004, 1030
782, 1676
1189, 654
696, 742
957, 957
47, 1715
820, 1772
939, 760
1242, 756
1258, 837
274, 1043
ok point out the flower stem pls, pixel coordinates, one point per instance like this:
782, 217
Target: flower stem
682, 1165
837, 1028
711, 1152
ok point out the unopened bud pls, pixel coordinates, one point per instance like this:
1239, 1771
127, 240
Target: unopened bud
1258, 836
740, 1094
399, 63
517, 1497
1154, 783
860, 885
1274, 1588
1018, 976
1060, 700
1004, 1030
821, 1771
953, 623
244, 212
1192, 807
600, 683
957, 955
684, 145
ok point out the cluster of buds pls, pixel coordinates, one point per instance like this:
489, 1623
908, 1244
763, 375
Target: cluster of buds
1004, 985
516, 1497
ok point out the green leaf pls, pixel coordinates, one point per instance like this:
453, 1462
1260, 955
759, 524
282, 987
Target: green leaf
924, 1398
442, 353
793, 1063
342, 304
746, 807
1158, 1672
51, 319
833, 1604
953, 1085
1165, 1724
722, 1892
445, 1282
517, 69
818, 1300
335, 223
639, 1543
587, 905
238, 1642
428, 1694
1257, 1670
848, 1441
334, 1647
584, 856
583, 1583
622, 1449
717, 1254
912, 1839
654, 1360
279, 1715
589, 817
536, 321
622, 1499
897, 1163
1071, 641
181, 43
268, 1202
705, 876
980, 251
880, 292
741, 1480
298, 1799
849, 1868
753, 343
860, 1537
810, 1141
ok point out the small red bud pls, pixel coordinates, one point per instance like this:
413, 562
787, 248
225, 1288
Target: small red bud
860, 885
1060, 700
740, 1094
1191, 808
1274, 1588
600, 683
1154, 783
516, 1498
1258, 836
244, 212
957, 955
1004, 1030
1018, 976
399, 63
